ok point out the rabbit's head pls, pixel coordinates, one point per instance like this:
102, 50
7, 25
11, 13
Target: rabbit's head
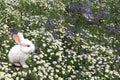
25, 45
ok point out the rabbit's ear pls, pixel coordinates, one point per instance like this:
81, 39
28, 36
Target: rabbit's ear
17, 38
20, 35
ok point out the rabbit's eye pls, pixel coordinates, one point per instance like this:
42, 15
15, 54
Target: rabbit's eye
28, 45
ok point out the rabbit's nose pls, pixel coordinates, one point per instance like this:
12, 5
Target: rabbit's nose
36, 50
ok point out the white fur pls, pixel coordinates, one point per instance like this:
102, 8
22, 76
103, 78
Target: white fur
19, 53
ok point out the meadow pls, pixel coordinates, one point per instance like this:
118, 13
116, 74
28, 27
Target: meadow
77, 39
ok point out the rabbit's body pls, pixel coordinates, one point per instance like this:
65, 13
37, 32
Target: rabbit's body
19, 53
16, 55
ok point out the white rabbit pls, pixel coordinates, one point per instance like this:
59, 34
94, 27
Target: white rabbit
19, 53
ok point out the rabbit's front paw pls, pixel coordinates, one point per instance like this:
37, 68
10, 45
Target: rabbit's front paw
25, 66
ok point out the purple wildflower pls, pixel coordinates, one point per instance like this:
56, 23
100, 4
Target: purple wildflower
101, 14
119, 49
74, 6
84, 56
54, 35
111, 47
103, 66
115, 61
68, 34
13, 30
68, 15
73, 30
87, 12
74, 19
50, 21
90, 15
108, 14
84, 9
79, 74
112, 29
